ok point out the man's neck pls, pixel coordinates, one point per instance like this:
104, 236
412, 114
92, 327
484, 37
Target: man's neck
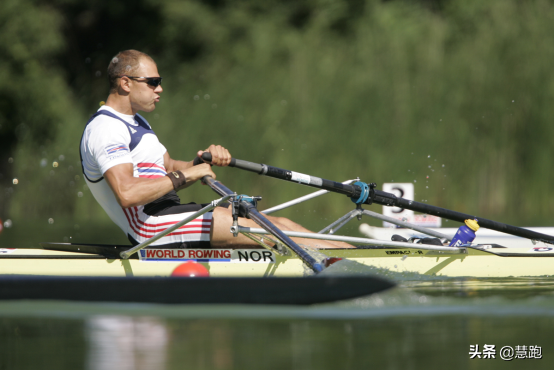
120, 103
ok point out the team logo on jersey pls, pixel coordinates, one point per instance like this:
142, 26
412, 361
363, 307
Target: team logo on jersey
116, 150
133, 131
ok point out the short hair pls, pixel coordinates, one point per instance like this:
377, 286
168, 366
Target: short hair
124, 63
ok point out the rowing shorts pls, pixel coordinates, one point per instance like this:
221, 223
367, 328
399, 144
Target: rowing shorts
194, 234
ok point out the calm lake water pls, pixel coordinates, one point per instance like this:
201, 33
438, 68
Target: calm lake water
428, 324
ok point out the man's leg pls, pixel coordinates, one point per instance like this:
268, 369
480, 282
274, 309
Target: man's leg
222, 221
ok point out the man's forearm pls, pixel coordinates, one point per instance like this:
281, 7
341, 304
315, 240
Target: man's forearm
175, 165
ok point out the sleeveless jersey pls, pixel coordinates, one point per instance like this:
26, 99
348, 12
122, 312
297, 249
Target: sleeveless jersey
111, 138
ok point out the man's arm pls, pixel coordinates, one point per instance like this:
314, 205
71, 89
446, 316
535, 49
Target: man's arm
130, 191
220, 157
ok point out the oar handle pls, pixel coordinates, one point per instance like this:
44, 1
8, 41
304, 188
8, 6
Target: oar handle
241, 164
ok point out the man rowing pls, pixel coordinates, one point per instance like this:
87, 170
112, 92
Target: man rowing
132, 176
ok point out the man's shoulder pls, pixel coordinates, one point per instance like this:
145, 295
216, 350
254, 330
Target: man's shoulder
106, 121
104, 127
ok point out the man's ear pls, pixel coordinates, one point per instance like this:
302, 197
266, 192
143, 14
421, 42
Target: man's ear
125, 84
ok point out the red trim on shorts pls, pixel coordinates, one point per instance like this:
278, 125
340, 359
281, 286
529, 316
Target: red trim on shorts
134, 221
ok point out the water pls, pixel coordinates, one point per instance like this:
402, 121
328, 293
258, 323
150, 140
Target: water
424, 323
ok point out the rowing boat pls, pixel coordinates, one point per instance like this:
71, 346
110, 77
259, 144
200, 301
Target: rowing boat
284, 258
102, 260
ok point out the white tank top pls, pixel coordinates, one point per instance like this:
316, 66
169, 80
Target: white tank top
111, 138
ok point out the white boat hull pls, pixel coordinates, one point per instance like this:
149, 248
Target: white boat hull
474, 262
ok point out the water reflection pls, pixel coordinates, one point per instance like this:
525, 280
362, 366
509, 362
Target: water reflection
124, 342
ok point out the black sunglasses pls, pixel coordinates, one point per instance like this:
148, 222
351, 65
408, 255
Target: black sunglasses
152, 81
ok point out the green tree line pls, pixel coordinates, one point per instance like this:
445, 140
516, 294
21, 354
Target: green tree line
454, 95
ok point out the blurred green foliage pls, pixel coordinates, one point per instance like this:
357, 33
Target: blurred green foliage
454, 95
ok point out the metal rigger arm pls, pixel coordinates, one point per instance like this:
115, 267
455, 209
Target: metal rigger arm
247, 206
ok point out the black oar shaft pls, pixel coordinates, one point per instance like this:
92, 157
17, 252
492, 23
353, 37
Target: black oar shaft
460, 217
292, 176
382, 198
263, 222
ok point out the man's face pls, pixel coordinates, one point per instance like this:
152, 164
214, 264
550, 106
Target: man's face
143, 96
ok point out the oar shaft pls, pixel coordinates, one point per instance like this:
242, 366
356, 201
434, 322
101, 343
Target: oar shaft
292, 176
382, 198
460, 217
263, 222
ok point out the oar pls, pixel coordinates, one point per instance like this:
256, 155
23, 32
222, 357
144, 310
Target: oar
316, 265
362, 193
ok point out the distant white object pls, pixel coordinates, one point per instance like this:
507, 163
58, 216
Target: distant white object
406, 191
484, 236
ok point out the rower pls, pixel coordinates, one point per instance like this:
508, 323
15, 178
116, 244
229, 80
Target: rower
133, 178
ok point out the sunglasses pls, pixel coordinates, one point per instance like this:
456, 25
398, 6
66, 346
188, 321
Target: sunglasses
152, 81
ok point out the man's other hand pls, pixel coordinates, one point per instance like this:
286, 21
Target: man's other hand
194, 173
220, 155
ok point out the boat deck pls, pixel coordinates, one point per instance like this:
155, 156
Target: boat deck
477, 261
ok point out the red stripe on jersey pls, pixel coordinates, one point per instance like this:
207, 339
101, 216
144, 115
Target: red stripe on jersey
152, 176
149, 164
